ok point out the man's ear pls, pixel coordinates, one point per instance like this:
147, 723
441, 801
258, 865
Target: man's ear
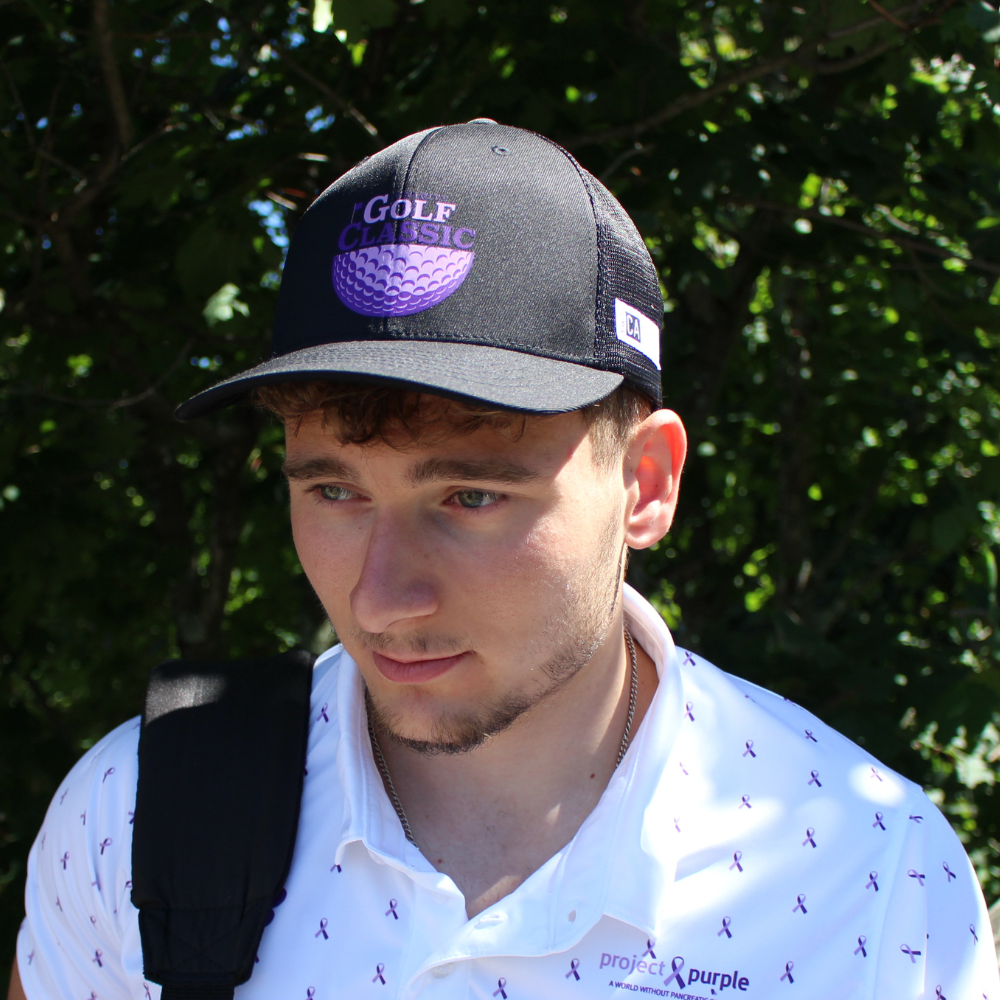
653, 465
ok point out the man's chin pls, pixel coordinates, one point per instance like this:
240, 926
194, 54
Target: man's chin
452, 734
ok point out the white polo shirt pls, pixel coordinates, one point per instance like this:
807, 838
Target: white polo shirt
741, 848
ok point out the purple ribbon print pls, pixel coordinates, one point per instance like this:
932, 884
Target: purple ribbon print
378, 977
64, 859
737, 856
310, 992
392, 909
677, 825
944, 865
938, 995
809, 736
872, 876
975, 936
688, 659
861, 946
676, 964
109, 771
725, 928
573, 966
913, 873
499, 991
322, 713
63, 796
336, 868
749, 749
875, 773
907, 950
800, 904
814, 779
322, 929
687, 711
810, 831
649, 950
917, 819
878, 821
107, 842
787, 974
745, 802
98, 955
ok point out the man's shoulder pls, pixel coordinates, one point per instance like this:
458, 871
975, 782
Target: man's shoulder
771, 729
110, 768
115, 755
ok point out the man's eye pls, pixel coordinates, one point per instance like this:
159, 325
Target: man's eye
476, 498
335, 493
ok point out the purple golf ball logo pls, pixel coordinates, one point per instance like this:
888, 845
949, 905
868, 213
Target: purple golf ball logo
398, 279
403, 258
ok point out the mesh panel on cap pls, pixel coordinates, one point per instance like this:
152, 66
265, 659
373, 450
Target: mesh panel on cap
625, 271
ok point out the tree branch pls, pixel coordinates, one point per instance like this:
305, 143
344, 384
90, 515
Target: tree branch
52, 158
328, 91
843, 65
112, 78
692, 100
115, 404
16, 97
680, 105
860, 227
887, 14
634, 150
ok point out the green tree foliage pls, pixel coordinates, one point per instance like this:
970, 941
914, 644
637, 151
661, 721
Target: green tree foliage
818, 185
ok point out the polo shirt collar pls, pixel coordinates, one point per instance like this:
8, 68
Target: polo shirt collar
616, 865
369, 816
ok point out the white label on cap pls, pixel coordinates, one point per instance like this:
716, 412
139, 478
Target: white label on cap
637, 330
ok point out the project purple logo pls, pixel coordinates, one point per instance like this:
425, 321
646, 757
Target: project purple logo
403, 256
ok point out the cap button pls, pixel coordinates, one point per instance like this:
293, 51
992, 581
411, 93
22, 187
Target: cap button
481, 121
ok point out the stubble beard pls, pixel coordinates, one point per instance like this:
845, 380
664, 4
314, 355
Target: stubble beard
573, 632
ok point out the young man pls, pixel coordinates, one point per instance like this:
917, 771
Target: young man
517, 787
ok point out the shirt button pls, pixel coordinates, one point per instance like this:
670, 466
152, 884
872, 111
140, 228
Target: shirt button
440, 971
490, 920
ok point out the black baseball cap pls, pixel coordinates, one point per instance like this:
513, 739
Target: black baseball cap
477, 261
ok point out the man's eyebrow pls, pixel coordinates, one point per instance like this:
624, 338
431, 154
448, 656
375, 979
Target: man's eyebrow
489, 470
317, 468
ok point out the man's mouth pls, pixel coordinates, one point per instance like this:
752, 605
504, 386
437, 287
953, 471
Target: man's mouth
415, 670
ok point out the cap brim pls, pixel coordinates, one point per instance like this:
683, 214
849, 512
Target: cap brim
492, 375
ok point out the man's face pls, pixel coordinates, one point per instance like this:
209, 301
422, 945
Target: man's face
469, 575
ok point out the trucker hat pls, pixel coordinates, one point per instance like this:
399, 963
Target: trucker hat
477, 261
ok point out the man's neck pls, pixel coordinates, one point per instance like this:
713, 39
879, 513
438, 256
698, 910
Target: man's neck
491, 817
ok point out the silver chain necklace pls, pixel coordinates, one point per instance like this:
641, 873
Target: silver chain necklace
383, 768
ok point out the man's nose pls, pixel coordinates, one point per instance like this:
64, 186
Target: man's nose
396, 581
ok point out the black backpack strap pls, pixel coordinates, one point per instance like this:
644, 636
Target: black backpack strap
221, 763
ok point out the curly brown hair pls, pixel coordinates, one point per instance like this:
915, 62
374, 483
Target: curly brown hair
359, 414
